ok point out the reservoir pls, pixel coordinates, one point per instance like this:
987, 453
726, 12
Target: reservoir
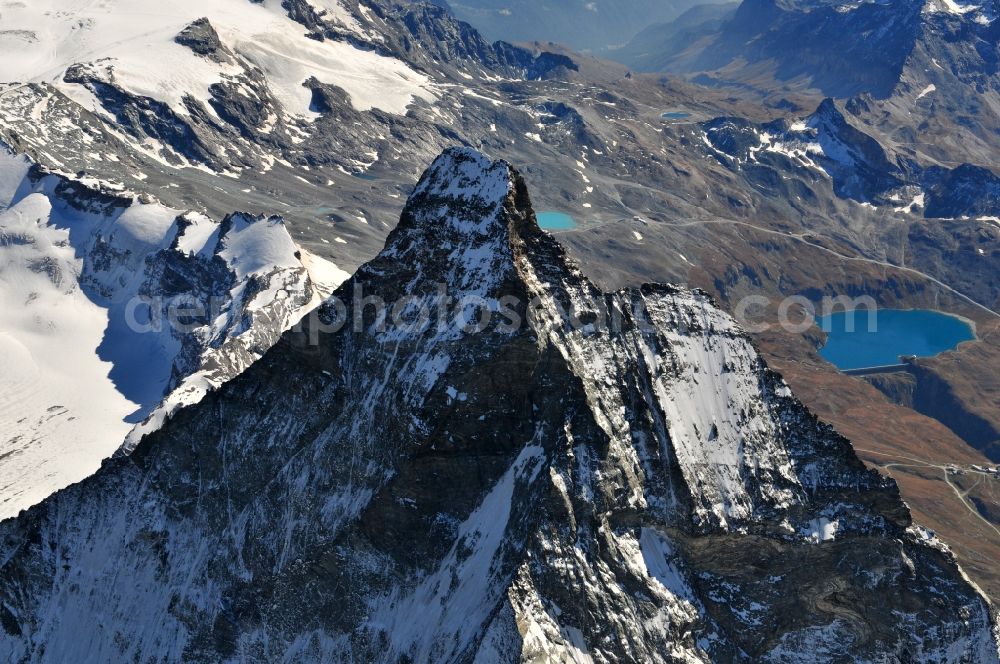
885, 335
555, 221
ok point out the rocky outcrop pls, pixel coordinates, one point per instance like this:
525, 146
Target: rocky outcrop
924, 390
201, 37
573, 474
899, 386
146, 118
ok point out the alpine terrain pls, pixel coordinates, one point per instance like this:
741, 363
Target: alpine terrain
582, 476
218, 445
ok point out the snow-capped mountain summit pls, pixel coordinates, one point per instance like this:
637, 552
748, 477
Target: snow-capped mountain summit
580, 476
117, 309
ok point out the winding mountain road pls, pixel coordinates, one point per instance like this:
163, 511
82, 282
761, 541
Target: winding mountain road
944, 468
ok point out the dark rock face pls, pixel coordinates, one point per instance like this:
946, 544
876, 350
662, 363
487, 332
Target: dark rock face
899, 386
934, 397
201, 37
546, 65
965, 191
612, 475
858, 164
247, 105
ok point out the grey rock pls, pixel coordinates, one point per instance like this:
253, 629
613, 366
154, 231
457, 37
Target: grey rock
201, 37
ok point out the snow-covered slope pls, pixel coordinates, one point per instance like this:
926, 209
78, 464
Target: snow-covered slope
125, 90
98, 288
59, 409
133, 43
123, 87
586, 476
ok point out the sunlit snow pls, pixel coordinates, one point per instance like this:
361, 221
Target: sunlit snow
133, 41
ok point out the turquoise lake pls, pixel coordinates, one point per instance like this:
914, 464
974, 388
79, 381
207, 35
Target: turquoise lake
555, 221
892, 333
675, 115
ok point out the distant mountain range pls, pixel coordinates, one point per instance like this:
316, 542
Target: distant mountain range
839, 48
658, 45
586, 25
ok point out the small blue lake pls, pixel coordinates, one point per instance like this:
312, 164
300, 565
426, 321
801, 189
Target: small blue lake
555, 221
858, 339
675, 115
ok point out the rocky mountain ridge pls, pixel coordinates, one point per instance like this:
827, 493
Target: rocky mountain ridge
614, 476
830, 142
119, 310
842, 49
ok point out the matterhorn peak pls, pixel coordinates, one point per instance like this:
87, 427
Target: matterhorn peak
561, 493
465, 225
465, 196
466, 174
